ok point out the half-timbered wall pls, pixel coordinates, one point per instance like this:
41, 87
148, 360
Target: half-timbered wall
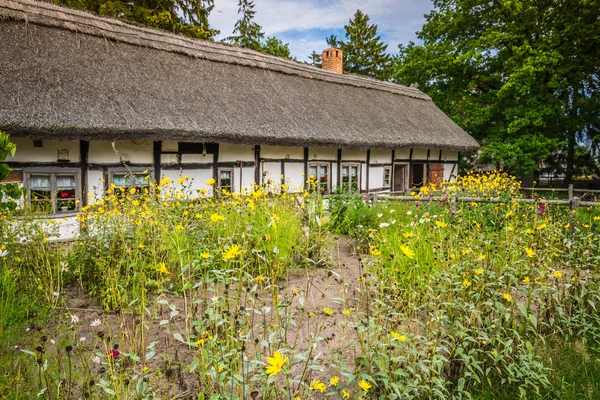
96, 163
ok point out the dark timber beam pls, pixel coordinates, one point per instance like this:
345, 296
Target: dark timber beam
368, 168
339, 168
84, 151
305, 167
156, 158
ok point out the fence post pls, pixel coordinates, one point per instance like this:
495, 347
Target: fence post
573, 205
374, 199
570, 191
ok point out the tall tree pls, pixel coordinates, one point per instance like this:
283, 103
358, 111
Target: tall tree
522, 76
277, 48
316, 59
247, 33
364, 52
186, 17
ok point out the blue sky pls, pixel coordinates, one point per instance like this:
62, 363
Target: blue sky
306, 23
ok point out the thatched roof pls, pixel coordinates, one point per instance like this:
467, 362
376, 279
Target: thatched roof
67, 74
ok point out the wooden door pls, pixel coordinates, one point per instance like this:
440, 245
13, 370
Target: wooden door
399, 178
436, 173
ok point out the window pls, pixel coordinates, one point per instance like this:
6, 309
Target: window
387, 176
226, 179
54, 192
320, 173
125, 180
350, 176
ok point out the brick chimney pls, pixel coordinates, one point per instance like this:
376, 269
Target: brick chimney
333, 60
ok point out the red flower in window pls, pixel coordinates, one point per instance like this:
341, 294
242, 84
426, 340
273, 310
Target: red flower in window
64, 194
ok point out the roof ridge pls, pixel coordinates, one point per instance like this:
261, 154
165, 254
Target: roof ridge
68, 18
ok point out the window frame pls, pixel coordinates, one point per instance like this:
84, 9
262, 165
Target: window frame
389, 182
132, 172
231, 174
318, 165
341, 184
53, 189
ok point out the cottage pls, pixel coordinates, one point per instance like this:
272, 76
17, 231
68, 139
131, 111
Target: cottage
88, 100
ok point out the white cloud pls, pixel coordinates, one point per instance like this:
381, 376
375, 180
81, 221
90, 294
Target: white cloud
296, 21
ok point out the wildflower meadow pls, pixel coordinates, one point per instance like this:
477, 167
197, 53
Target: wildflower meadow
280, 293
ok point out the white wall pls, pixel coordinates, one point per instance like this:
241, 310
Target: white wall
197, 159
419, 154
247, 178
354, 155
197, 179
375, 177
294, 176
234, 152
270, 170
381, 156
170, 146
282, 152
402, 154
138, 152
95, 186
448, 170
322, 153
47, 153
449, 155
434, 155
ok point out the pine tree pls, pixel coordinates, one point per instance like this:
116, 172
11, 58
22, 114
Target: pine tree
186, 17
364, 52
247, 33
277, 48
315, 59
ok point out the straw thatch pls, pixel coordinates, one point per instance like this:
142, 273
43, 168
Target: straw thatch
66, 74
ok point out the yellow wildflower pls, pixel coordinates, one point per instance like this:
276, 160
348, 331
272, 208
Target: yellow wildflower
205, 255
557, 274
441, 224
276, 363
526, 280
217, 218
210, 182
364, 385
328, 311
374, 251
163, 269
345, 395
408, 234
346, 312
334, 381
530, 252
507, 297
542, 226
407, 252
398, 337
317, 385
231, 252
466, 283
479, 271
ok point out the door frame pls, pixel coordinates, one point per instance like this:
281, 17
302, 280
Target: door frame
406, 176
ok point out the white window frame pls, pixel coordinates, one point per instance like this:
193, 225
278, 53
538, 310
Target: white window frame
389, 182
230, 170
54, 199
318, 177
131, 173
349, 165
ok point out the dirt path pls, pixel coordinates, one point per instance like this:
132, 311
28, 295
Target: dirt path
336, 287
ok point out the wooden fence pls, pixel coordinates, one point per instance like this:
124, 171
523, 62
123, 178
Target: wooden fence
573, 202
